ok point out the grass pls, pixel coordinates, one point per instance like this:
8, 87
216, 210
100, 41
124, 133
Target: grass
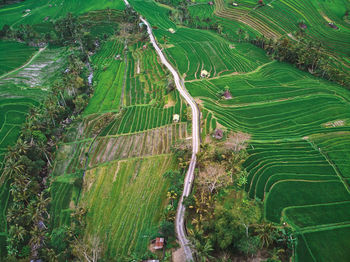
13, 55
13, 14
329, 245
297, 155
126, 155
318, 215
133, 194
298, 193
278, 18
197, 50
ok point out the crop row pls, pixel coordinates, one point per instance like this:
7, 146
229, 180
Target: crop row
196, 50
13, 55
152, 142
324, 245
281, 18
13, 14
132, 193
140, 118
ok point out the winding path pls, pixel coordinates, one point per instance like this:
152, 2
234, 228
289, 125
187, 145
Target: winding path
180, 215
27, 63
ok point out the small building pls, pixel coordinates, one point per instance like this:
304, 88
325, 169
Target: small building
144, 47
234, 4
118, 57
171, 30
205, 73
27, 10
159, 244
218, 133
210, 3
227, 95
332, 25
176, 118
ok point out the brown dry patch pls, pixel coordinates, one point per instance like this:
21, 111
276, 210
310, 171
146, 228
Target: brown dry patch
170, 102
326, 17
116, 171
179, 255
336, 123
198, 101
167, 46
88, 180
237, 141
71, 204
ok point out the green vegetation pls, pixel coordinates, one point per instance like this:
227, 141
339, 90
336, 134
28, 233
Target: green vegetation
289, 17
13, 55
133, 194
122, 146
285, 132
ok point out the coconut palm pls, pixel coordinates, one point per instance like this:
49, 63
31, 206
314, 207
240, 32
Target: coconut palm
202, 251
12, 169
265, 233
17, 232
43, 149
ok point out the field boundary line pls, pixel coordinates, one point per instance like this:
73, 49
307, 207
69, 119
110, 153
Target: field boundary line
234, 73
21, 67
335, 168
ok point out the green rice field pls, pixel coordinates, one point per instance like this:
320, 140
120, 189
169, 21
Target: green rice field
13, 55
124, 161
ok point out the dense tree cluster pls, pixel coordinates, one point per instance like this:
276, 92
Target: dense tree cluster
307, 55
225, 223
28, 163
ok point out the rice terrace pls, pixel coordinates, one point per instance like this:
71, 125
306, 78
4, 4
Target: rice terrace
175, 130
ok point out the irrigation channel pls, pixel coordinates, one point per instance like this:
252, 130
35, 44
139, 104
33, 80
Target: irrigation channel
180, 215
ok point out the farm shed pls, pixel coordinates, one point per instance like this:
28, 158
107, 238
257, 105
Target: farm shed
176, 118
159, 244
205, 73
227, 95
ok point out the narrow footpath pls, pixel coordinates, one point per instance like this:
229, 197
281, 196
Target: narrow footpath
180, 215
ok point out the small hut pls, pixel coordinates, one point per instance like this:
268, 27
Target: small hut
332, 25
171, 30
176, 118
227, 95
234, 4
205, 73
211, 3
159, 244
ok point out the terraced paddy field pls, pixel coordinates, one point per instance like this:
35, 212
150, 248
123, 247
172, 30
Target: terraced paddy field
13, 55
197, 50
133, 194
120, 148
296, 164
15, 14
278, 18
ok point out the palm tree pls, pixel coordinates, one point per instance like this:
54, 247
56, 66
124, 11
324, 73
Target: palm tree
12, 169
265, 233
43, 149
22, 146
202, 251
18, 232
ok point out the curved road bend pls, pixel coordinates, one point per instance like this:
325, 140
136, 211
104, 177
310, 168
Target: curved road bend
180, 216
